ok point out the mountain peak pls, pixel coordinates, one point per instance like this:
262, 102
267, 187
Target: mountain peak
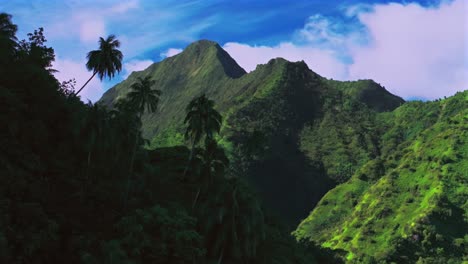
203, 43
201, 47
212, 53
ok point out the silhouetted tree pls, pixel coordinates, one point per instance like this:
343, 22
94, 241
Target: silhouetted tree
142, 97
105, 61
7, 37
212, 162
203, 121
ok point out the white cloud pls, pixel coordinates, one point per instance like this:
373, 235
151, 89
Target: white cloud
319, 30
136, 65
412, 50
170, 52
321, 61
415, 51
91, 30
124, 7
357, 9
69, 69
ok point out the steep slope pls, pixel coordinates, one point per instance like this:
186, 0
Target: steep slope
277, 111
270, 118
203, 67
369, 92
410, 202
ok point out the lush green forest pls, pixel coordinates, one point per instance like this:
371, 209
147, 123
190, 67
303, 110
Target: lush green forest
80, 186
193, 160
409, 203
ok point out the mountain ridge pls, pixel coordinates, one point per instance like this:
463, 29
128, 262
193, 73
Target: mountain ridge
406, 205
279, 98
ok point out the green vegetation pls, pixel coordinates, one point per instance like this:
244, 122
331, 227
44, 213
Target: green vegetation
114, 182
79, 187
311, 131
409, 204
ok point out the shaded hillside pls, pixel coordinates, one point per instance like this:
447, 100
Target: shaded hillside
78, 186
409, 202
282, 103
369, 92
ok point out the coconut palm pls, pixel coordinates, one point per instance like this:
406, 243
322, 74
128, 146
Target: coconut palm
212, 161
233, 222
125, 128
105, 61
202, 120
95, 125
142, 97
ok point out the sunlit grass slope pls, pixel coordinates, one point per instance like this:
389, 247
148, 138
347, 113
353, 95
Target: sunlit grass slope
410, 203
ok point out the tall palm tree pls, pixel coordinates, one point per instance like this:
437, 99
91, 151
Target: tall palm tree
125, 128
202, 120
234, 225
105, 61
94, 129
212, 162
142, 97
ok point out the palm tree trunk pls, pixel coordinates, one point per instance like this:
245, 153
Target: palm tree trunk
190, 160
86, 83
196, 198
87, 175
130, 171
127, 191
220, 259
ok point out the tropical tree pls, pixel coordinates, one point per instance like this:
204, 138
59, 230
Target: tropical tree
125, 127
105, 61
212, 161
234, 223
94, 130
203, 121
141, 98
36, 52
7, 36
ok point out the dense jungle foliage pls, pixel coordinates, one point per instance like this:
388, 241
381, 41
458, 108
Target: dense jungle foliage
409, 203
193, 160
79, 186
269, 120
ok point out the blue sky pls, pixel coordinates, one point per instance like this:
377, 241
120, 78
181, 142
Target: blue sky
416, 49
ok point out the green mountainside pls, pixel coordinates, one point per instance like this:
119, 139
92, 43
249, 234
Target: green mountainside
203, 67
360, 175
399, 168
270, 115
78, 186
410, 203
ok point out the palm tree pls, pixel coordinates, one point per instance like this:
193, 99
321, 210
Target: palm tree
212, 162
141, 98
125, 127
105, 61
202, 120
234, 225
96, 124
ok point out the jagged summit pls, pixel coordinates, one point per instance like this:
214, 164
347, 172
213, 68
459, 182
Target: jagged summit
210, 53
205, 67
203, 44
279, 99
